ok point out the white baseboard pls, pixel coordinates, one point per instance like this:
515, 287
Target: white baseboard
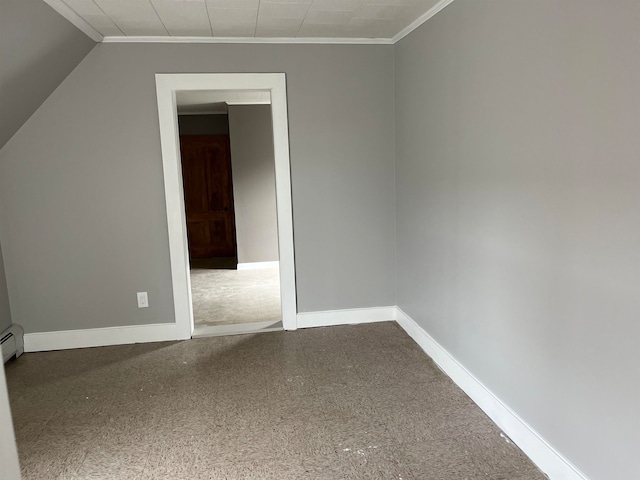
258, 265
12, 342
549, 460
100, 337
346, 317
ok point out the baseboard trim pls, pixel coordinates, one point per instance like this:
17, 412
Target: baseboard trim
258, 265
100, 337
346, 317
549, 460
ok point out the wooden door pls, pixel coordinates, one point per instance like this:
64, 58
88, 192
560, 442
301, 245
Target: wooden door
208, 195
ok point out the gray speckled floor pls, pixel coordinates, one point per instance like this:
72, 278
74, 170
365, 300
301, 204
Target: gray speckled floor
352, 402
224, 297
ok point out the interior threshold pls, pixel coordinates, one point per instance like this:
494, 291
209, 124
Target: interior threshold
237, 329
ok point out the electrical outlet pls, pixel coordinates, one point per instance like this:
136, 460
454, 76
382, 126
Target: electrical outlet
143, 300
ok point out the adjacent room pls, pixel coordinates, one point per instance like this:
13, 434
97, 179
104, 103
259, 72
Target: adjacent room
412, 254
228, 174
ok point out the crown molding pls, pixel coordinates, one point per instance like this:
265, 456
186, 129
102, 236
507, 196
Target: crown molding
266, 40
420, 20
79, 22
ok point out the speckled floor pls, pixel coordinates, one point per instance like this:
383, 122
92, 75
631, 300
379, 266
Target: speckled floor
351, 402
224, 296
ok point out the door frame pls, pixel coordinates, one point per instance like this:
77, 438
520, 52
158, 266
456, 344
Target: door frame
166, 87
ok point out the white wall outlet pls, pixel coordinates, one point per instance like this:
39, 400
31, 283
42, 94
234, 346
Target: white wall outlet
143, 300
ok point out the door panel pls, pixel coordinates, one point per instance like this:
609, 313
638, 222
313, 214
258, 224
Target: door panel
208, 195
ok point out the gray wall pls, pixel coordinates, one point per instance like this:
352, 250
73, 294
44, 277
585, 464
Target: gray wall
38, 49
216, 124
254, 183
83, 224
5, 312
518, 211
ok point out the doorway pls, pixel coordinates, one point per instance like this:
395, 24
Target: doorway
230, 203
169, 87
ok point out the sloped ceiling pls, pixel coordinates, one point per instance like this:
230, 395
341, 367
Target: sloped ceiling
38, 49
39, 45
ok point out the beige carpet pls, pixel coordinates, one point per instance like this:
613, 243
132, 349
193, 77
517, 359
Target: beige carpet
353, 402
225, 297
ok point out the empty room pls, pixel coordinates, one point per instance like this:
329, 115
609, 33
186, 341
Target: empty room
450, 239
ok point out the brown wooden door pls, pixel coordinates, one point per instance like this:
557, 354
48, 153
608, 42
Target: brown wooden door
208, 195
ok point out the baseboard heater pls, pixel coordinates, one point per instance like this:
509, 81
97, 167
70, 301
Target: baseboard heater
12, 342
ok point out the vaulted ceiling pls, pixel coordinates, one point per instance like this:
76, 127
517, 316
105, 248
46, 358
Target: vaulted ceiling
217, 19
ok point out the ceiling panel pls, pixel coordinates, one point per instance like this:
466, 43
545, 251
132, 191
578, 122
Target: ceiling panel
373, 28
251, 18
336, 5
264, 2
383, 12
252, 4
233, 22
184, 18
88, 10
323, 17
313, 30
133, 17
283, 10
278, 27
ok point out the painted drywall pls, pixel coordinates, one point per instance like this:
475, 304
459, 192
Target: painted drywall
83, 224
216, 124
518, 211
38, 49
5, 312
254, 182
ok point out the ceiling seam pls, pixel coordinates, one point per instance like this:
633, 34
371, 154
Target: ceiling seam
110, 19
303, 19
206, 7
255, 27
159, 18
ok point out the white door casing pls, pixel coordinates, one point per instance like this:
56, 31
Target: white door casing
167, 85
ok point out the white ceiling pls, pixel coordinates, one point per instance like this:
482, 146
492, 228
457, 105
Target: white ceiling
216, 19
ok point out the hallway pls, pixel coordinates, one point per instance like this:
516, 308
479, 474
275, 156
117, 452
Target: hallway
229, 296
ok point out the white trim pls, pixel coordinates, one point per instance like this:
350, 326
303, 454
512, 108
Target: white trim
166, 86
313, 40
420, 20
258, 265
9, 464
549, 460
79, 22
12, 342
346, 317
237, 329
99, 337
